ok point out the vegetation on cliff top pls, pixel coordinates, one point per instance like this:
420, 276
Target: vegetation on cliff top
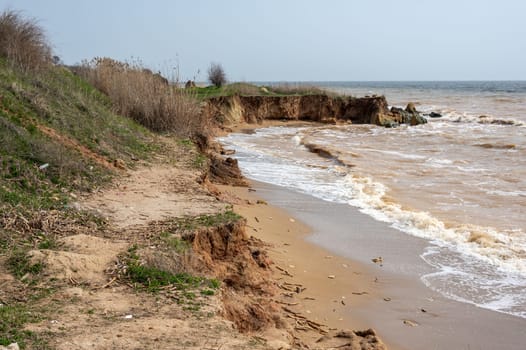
249, 89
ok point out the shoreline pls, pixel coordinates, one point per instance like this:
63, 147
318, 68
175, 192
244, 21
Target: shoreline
334, 285
406, 313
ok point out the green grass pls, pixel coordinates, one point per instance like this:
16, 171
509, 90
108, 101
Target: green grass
247, 89
200, 160
20, 265
13, 318
47, 243
153, 279
187, 143
35, 170
192, 223
175, 243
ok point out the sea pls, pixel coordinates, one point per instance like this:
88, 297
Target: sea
458, 181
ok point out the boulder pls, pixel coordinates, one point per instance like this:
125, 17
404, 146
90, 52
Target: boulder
411, 108
408, 116
417, 119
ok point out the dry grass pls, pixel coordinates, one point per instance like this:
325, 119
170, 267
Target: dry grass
23, 42
146, 97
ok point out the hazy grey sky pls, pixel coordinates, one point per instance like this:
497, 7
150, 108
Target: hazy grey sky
295, 40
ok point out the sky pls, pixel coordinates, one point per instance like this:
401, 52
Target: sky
294, 40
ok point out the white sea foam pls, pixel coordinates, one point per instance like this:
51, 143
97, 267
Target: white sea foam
507, 193
402, 155
463, 278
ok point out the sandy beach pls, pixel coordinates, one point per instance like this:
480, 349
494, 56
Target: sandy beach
328, 249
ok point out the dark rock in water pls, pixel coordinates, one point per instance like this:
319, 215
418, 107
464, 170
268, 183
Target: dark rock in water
407, 117
411, 108
417, 119
391, 124
435, 115
503, 122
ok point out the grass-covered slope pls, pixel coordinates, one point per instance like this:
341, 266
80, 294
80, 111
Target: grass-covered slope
58, 134
58, 137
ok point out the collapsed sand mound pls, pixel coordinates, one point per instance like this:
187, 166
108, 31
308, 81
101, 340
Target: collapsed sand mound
352, 340
226, 252
83, 258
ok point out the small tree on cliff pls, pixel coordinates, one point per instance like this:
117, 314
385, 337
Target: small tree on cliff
216, 74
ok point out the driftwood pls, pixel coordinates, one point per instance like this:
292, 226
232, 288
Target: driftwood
285, 272
285, 303
292, 287
359, 293
303, 323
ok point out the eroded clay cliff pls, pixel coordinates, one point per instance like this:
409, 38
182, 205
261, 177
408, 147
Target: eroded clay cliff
319, 108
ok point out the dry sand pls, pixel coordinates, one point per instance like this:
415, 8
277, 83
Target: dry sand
328, 249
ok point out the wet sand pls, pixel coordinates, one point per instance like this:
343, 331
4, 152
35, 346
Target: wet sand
328, 247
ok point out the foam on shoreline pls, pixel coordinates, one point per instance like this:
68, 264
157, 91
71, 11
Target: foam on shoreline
384, 296
493, 260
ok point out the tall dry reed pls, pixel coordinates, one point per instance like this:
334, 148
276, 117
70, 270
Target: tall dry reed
146, 97
23, 42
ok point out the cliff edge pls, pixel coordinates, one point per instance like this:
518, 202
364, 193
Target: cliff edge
317, 108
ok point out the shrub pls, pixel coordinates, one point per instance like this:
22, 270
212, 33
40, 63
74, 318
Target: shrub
216, 74
146, 97
23, 42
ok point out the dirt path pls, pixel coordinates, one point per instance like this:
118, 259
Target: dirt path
151, 194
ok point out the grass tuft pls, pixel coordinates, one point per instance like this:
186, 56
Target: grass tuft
192, 223
177, 244
19, 264
13, 319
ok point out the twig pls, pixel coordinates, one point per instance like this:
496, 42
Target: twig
285, 272
359, 293
285, 303
109, 283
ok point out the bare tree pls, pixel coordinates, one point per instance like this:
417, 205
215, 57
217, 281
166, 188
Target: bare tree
216, 74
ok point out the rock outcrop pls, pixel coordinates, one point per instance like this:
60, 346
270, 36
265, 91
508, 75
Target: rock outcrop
408, 116
318, 108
